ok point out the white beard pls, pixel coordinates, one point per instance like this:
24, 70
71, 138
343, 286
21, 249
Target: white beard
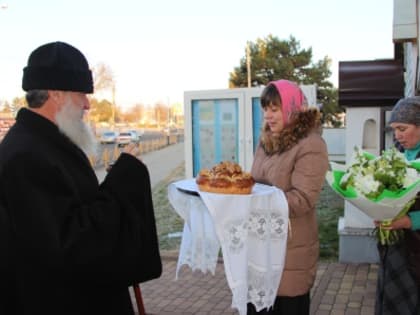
70, 122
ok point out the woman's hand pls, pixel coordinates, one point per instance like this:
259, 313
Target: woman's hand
397, 224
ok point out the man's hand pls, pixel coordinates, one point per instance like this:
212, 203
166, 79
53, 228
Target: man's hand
132, 149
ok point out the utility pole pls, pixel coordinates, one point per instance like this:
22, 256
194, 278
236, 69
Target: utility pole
248, 63
169, 112
113, 105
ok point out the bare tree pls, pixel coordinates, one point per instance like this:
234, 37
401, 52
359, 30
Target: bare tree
103, 78
103, 81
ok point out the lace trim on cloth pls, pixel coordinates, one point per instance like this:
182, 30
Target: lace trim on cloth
258, 294
262, 228
199, 245
201, 256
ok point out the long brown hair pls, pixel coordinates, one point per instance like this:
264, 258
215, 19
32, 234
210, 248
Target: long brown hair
301, 123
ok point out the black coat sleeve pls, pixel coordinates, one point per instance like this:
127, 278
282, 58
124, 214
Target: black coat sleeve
76, 230
6, 262
129, 182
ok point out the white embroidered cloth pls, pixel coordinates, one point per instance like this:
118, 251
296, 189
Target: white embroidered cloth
252, 231
200, 246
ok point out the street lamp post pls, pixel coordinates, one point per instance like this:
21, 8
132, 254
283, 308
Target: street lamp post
113, 106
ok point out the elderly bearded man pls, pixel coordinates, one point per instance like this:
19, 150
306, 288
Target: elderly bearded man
69, 244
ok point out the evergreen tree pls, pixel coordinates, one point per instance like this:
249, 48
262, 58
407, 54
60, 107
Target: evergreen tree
273, 59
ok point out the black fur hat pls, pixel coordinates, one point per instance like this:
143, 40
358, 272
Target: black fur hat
57, 66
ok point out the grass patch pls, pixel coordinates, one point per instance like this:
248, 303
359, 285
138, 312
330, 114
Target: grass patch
329, 208
167, 220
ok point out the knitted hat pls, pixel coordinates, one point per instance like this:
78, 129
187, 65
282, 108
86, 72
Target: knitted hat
407, 111
57, 66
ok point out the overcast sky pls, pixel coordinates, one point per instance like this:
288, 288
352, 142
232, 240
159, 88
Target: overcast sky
157, 49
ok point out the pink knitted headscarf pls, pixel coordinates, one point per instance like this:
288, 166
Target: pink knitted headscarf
291, 96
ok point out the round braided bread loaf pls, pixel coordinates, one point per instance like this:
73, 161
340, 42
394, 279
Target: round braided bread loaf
225, 178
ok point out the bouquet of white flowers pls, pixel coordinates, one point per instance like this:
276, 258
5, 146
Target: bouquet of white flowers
383, 187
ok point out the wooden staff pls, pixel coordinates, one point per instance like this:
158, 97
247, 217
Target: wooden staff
139, 299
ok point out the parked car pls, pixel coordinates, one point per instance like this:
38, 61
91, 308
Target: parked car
135, 136
127, 137
108, 137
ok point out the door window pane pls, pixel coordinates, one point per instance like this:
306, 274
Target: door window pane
215, 132
257, 121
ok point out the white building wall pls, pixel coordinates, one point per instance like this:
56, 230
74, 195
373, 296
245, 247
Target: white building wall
363, 130
336, 144
406, 30
405, 27
411, 52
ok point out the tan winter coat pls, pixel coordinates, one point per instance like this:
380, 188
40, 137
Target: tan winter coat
296, 163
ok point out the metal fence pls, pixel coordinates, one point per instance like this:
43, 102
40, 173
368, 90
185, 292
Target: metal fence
109, 155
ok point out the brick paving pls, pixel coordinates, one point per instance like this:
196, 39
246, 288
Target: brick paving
340, 289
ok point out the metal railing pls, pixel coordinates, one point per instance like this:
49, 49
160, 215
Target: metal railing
109, 155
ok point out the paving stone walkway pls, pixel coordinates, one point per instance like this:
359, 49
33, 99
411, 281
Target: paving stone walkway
340, 289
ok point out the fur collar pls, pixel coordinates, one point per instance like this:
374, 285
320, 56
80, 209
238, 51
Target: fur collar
301, 124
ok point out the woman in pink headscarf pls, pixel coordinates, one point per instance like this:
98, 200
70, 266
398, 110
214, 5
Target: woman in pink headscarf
293, 156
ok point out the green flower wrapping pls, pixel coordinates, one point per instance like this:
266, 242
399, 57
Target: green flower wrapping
382, 187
